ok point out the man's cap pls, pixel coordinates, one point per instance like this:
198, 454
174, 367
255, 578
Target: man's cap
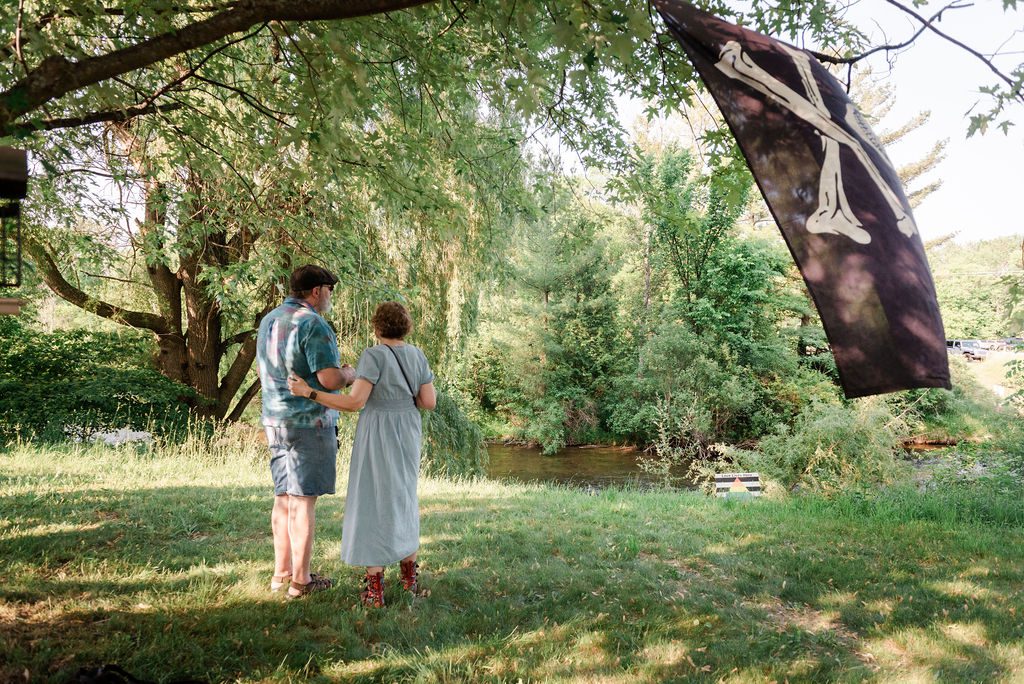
307, 277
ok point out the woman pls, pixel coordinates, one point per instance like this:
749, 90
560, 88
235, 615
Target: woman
382, 519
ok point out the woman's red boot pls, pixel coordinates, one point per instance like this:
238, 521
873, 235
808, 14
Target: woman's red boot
410, 575
372, 595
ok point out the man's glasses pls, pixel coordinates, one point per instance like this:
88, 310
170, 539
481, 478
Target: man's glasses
329, 287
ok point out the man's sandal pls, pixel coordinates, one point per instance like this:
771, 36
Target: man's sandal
316, 583
279, 582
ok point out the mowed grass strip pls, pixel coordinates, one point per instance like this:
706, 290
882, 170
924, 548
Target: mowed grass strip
160, 563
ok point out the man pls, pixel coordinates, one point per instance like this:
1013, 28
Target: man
294, 338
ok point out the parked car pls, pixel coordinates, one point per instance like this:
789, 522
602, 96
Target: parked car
1012, 343
970, 349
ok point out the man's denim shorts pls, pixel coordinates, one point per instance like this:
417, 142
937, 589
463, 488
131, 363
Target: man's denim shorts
303, 460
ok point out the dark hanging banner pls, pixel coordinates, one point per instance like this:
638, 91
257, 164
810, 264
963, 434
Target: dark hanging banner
835, 196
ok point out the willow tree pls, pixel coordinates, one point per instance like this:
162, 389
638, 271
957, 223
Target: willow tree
216, 200
384, 141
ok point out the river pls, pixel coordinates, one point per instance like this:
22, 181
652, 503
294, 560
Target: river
589, 466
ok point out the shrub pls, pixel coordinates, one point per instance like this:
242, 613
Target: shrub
678, 442
830, 447
74, 383
963, 412
718, 398
546, 425
1015, 378
1009, 444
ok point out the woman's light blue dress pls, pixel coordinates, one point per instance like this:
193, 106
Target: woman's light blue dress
382, 517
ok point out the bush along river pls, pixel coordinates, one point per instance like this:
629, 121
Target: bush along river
587, 467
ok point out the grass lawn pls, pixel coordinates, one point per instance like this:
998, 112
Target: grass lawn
161, 564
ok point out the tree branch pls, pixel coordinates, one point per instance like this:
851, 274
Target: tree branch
165, 282
249, 100
193, 70
18, 41
898, 46
56, 282
114, 278
235, 375
120, 12
56, 75
115, 116
1015, 89
243, 401
929, 24
238, 338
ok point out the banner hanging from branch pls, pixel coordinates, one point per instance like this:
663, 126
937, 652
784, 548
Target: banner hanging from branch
835, 196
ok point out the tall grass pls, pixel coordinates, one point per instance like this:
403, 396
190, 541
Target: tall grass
988, 503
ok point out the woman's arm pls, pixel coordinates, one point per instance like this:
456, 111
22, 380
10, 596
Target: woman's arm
427, 397
353, 401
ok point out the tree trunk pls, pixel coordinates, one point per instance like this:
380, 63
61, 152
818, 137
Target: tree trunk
172, 356
203, 315
203, 348
648, 240
189, 328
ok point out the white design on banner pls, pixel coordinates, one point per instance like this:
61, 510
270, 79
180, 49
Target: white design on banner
833, 214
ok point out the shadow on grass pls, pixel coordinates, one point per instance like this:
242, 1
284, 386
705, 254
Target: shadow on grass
540, 584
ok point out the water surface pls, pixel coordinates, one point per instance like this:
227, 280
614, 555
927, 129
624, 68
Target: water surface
580, 466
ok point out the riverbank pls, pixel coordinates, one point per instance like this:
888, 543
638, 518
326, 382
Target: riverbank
160, 564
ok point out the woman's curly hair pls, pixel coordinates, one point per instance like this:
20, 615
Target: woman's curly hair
391, 320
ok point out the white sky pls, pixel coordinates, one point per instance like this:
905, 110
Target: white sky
983, 177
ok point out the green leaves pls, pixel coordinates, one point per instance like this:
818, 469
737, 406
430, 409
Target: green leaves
975, 303
105, 381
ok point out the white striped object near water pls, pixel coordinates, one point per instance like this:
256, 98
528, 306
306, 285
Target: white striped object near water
738, 485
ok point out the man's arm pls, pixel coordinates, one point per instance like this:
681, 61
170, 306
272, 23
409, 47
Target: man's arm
336, 378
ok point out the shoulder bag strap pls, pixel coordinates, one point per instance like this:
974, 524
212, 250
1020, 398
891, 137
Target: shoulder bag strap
401, 368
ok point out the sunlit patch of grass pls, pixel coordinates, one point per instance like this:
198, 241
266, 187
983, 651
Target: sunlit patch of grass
940, 652
970, 634
962, 588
